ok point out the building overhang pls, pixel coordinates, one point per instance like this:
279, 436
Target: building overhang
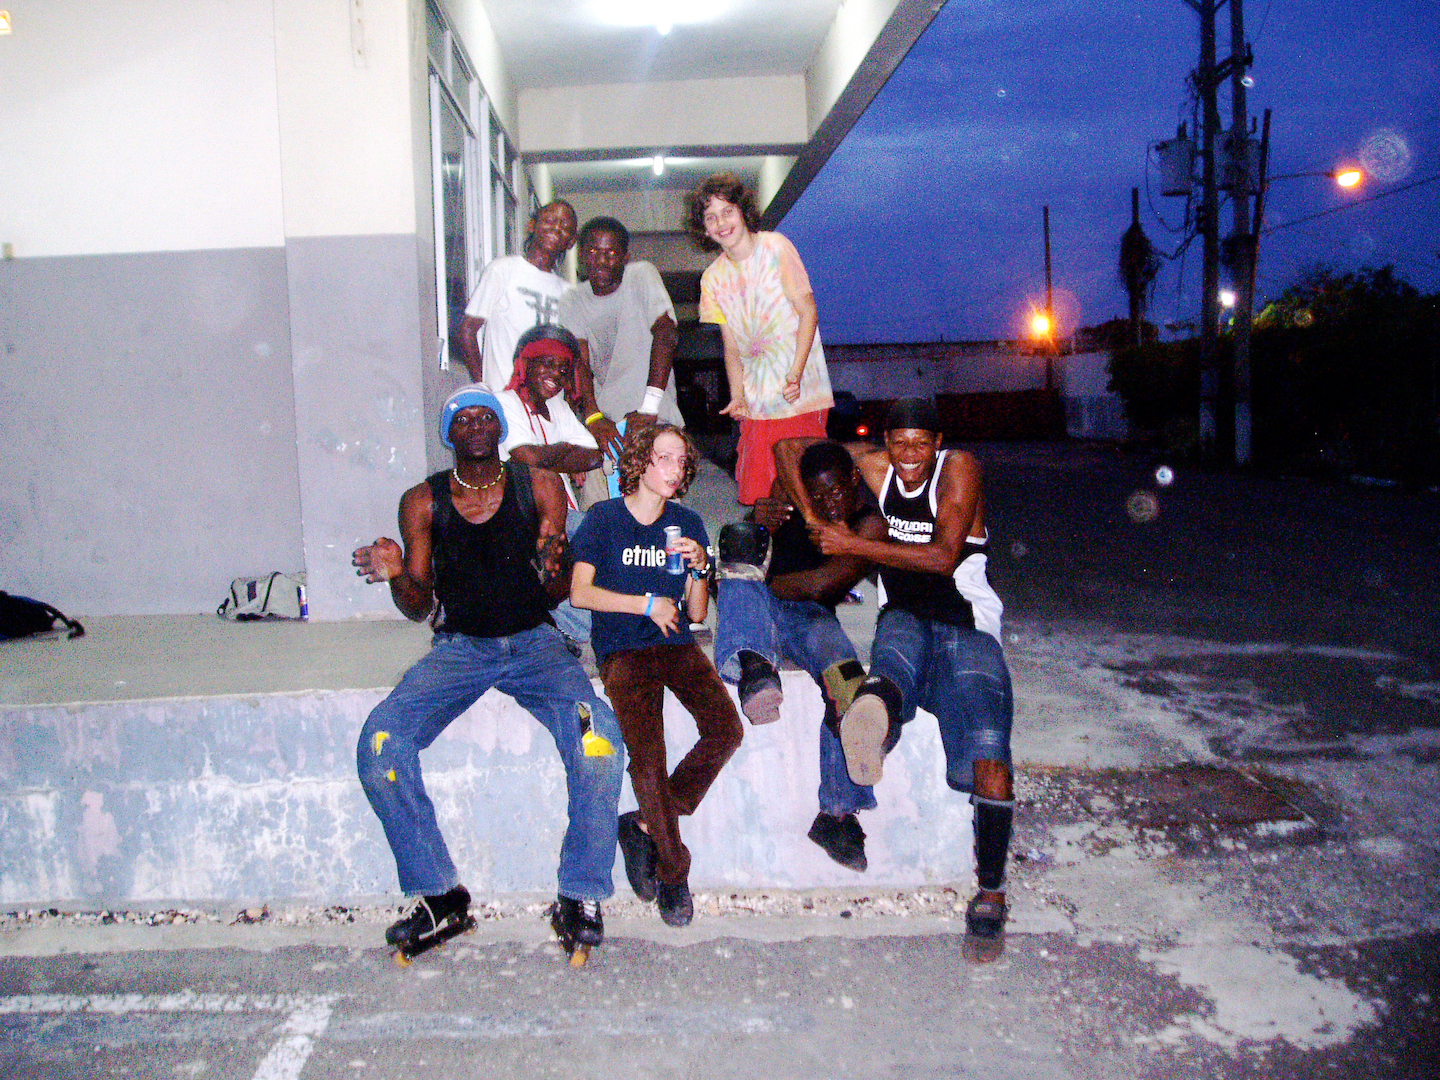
608, 105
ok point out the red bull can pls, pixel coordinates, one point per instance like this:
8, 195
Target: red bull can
674, 557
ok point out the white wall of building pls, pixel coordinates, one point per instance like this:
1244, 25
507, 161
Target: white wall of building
698, 112
139, 126
345, 117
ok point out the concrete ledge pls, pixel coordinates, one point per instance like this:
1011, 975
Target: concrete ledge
233, 798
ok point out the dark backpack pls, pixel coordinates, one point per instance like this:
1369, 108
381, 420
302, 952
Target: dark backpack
21, 617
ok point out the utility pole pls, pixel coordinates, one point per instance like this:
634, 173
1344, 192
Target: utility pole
1137, 312
1049, 313
1243, 243
1207, 81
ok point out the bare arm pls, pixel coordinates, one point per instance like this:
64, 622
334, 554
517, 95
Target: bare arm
470, 328
869, 459
697, 592
551, 545
734, 372
663, 339
837, 575
804, 341
959, 514
409, 573
584, 593
603, 428
558, 457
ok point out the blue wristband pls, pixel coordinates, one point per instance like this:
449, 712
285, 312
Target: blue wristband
649, 604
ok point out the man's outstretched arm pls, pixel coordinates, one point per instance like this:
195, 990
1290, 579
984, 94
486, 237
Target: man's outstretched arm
409, 572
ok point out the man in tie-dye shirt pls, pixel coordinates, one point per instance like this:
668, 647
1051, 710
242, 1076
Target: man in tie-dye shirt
759, 294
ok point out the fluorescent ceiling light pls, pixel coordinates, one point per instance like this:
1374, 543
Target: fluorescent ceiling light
661, 14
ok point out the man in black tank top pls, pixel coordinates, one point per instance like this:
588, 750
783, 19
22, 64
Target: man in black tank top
937, 641
474, 537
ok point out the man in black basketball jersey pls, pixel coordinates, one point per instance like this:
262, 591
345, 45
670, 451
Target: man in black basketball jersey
937, 641
472, 536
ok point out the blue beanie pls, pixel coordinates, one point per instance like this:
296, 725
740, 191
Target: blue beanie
474, 394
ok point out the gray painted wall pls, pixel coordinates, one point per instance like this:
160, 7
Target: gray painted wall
255, 797
359, 404
148, 423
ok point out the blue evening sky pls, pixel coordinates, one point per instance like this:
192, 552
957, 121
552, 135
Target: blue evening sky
926, 222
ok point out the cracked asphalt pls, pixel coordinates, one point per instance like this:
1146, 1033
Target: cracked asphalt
1225, 856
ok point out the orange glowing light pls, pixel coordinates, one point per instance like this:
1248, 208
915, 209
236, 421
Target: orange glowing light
1348, 178
862, 430
1040, 324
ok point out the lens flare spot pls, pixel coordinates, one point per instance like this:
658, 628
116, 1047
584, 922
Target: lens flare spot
1142, 507
1386, 154
1164, 476
1019, 550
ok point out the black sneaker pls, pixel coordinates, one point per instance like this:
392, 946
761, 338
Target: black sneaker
985, 915
579, 922
842, 839
639, 853
427, 916
676, 906
760, 691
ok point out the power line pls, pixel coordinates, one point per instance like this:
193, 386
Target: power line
1350, 206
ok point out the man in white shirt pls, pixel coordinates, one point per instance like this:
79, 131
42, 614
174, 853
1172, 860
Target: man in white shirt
515, 293
626, 326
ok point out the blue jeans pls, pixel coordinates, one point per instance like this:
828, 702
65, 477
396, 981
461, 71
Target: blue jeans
534, 668
956, 673
752, 617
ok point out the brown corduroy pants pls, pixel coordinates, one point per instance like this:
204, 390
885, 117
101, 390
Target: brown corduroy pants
636, 681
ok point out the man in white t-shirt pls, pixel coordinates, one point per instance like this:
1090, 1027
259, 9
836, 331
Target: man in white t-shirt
515, 293
626, 326
543, 432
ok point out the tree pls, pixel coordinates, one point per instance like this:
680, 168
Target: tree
1345, 374
1139, 263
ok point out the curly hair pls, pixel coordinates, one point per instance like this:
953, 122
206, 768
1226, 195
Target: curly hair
729, 188
635, 458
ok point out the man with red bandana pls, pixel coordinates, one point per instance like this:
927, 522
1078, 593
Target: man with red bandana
544, 433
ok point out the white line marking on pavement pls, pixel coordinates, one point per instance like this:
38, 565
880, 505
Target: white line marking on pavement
306, 1017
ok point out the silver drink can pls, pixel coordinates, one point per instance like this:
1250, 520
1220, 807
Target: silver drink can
674, 557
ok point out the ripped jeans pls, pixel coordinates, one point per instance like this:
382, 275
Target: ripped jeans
536, 669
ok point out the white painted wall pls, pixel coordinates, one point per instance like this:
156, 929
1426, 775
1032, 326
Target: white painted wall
697, 112
345, 117
139, 126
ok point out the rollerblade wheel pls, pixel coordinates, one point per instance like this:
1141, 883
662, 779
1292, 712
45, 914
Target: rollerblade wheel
402, 960
580, 956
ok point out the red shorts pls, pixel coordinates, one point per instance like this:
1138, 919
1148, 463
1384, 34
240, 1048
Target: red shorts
755, 467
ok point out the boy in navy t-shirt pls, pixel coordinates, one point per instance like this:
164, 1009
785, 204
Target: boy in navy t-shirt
643, 644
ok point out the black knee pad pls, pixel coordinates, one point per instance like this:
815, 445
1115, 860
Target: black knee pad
993, 821
841, 681
744, 551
